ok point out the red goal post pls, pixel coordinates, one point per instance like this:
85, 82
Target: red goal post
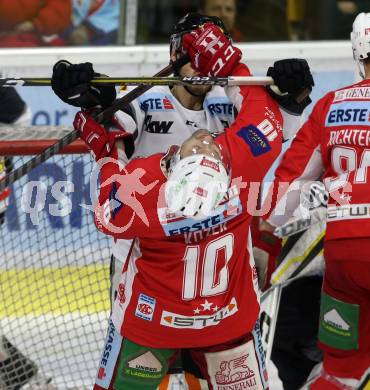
31, 140
54, 264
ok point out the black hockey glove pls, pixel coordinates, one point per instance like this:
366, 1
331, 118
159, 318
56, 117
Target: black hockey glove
71, 83
293, 78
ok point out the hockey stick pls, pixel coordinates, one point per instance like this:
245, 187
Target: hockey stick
270, 318
74, 134
275, 291
156, 80
295, 274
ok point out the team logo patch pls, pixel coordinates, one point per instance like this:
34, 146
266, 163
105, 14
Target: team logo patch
145, 307
155, 101
210, 164
338, 323
255, 139
167, 104
236, 368
146, 366
334, 319
234, 371
207, 316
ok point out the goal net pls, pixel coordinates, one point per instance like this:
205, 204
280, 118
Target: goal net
54, 266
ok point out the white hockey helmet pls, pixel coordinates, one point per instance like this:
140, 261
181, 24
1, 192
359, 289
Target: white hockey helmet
360, 38
196, 185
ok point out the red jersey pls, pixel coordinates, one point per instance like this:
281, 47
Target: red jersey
334, 143
187, 282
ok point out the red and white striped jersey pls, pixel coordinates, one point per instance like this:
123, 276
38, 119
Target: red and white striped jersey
158, 120
334, 143
188, 282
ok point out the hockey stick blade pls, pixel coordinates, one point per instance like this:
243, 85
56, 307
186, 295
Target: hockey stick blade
155, 80
19, 172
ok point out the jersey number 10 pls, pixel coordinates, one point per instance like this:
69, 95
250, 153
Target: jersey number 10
207, 274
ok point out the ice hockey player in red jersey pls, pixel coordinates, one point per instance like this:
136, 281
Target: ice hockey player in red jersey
335, 142
183, 110
190, 281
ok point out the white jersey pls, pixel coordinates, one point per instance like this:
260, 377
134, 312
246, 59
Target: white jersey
161, 121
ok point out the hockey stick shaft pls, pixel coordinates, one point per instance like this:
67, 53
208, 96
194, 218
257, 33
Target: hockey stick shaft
273, 297
156, 80
19, 172
274, 306
295, 275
